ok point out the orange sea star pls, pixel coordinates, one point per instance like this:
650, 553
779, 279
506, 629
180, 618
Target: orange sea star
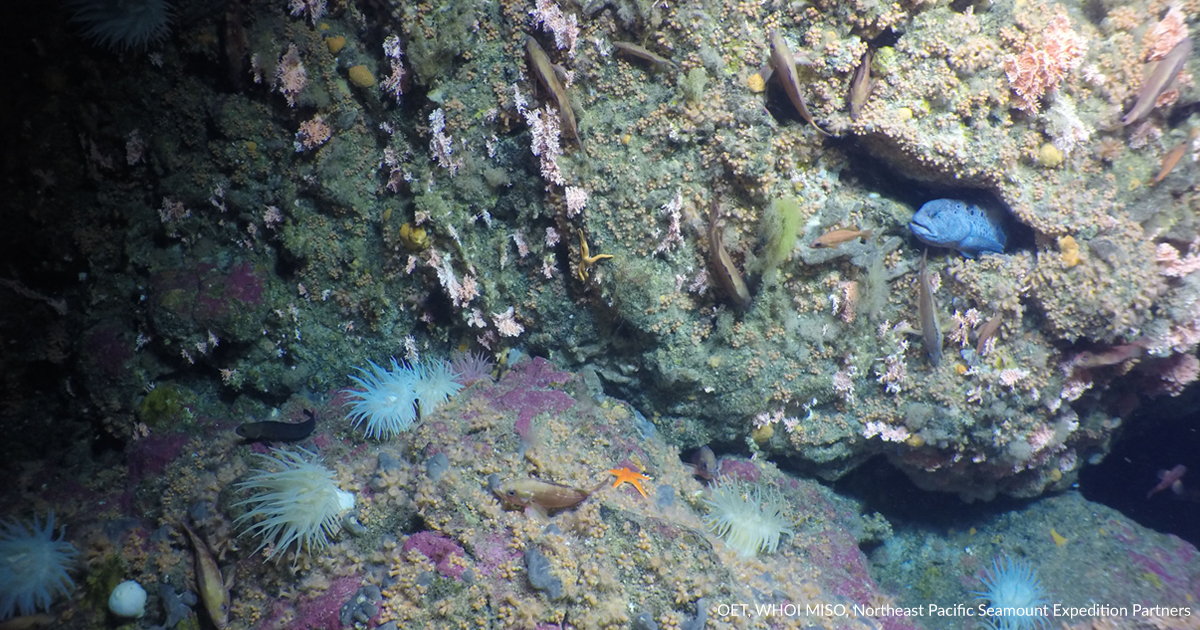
632, 477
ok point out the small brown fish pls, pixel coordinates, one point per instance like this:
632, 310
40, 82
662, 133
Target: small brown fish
986, 332
860, 86
1111, 356
542, 495
1172, 479
704, 463
931, 332
784, 66
540, 67
1170, 160
633, 50
214, 591
1158, 80
722, 265
833, 238
28, 622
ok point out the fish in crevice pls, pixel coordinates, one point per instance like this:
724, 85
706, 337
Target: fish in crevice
966, 227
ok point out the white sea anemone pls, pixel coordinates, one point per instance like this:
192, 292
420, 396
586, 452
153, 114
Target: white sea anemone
297, 500
33, 566
387, 402
435, 384
1015, 595
121, 24
748, 521
389, 399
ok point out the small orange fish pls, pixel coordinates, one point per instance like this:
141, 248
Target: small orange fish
542, 495
1170, 160
833, 238
987, 332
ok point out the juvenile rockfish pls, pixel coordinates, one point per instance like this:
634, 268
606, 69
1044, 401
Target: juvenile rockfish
542, 496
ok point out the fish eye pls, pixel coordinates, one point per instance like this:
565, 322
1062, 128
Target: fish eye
511, 491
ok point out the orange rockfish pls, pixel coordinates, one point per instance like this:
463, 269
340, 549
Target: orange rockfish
542, 496
833, 238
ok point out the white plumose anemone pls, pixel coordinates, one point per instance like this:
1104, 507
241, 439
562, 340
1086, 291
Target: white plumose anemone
747, 521
435, 384
33, 566
297, 500
1013, 588
387, 402
389, 399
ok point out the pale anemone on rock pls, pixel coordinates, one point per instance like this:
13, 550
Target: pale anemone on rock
1015, 595
748, 521
33, 566
294, 500
121, 24
389, 399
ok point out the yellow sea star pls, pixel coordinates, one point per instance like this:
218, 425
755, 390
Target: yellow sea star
586, 260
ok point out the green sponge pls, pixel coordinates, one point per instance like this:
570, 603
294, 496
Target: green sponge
779, 228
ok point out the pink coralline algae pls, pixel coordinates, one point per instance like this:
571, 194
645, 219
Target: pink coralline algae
110, 350
525, 391
150, 455
440, 550
320, 612
243, 284
740, 469
219, 293
493, 552
208, 295
1042, 65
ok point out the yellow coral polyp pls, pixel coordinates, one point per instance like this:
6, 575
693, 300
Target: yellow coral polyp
1049, 156
763, 434
1068, 250
756, 83
414, 237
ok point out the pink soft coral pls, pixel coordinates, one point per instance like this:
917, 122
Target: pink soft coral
1039, 68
